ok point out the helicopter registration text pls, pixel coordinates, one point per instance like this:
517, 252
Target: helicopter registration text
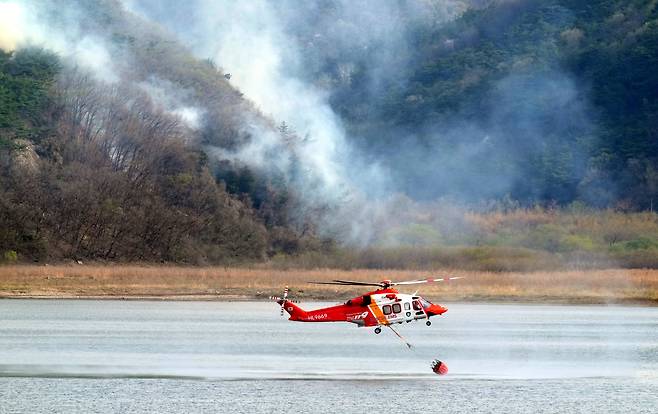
317, 317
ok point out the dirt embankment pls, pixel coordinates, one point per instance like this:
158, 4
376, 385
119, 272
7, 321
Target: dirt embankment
218, 283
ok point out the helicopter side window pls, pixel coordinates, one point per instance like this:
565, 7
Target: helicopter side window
397, 308
407, 306
417, 305
387, 309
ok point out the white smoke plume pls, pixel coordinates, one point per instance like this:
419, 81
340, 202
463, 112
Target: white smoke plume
29, 23
12, 22
259, 44
250, 43
169, 98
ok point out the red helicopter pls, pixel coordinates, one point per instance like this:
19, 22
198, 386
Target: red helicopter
383, 306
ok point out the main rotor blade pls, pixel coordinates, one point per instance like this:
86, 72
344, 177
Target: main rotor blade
356, 282
347, 283
415, 282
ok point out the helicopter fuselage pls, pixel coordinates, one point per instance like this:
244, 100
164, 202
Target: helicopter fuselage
379, 307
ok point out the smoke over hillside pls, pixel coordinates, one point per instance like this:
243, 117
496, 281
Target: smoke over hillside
276, 53
377, 114
330, 71
42, 23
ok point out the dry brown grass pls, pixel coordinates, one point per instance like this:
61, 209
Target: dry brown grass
587, 286
492, 221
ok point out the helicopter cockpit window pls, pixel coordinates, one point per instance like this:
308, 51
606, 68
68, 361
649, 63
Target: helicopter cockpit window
387, 309
425, 303
417, 305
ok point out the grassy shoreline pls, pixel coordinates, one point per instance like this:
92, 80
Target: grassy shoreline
609, 286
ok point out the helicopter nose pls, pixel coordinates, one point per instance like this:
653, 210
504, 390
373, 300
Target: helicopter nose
437, 310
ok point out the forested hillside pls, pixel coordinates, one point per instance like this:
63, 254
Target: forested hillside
98, 170
121, 185
123, 137
546, 101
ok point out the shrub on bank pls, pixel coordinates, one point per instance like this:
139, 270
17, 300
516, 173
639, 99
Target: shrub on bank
9, 257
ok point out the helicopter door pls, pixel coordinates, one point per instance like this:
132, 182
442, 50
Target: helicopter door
408, 313
418, 311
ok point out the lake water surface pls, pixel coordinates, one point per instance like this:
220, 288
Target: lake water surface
73, 356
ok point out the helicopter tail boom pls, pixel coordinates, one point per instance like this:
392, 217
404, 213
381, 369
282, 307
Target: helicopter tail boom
296, 313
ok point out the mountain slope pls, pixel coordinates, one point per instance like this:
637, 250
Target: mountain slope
113, 164
550, 101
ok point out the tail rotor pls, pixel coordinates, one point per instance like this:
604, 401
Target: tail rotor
282, 299
285, 296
